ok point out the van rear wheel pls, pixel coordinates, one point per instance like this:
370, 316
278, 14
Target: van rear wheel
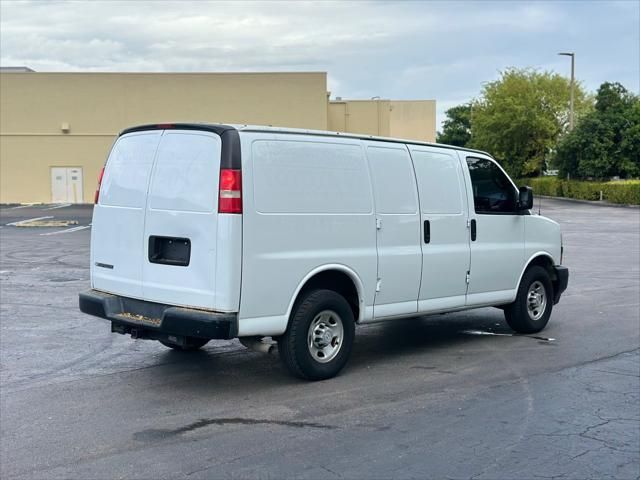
318, 342
531, 311
191, 345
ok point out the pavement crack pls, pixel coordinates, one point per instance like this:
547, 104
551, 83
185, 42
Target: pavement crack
160, 434
619, 373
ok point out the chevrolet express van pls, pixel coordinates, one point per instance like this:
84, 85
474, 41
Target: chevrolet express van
217, 232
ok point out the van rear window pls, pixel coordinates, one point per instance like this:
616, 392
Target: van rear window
186, 174
127, 171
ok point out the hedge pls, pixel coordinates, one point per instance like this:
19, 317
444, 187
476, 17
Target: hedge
621, 191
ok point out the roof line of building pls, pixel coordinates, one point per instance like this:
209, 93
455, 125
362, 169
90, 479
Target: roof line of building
28, 70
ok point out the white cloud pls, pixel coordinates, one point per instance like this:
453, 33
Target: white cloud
441, 50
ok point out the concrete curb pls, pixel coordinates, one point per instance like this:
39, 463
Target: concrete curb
588, 202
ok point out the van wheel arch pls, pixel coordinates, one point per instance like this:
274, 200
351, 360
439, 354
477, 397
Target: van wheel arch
546, 262
332, 279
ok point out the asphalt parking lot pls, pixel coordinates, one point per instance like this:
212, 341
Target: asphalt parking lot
431, 397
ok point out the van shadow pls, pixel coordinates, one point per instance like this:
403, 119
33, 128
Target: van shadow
419, 336
228, 368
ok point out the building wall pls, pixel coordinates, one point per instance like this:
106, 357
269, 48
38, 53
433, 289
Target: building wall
413, 119
96, 106
35, 107
410, 119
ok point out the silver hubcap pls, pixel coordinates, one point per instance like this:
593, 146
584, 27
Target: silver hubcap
536, 300
325, 336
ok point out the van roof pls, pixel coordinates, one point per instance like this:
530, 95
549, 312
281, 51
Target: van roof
220, 128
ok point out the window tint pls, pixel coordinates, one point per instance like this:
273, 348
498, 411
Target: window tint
492, 190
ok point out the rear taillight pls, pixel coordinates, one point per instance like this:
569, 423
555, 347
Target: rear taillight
230, 197
96, 197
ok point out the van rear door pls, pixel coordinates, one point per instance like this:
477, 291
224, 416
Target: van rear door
180, 228
118, 218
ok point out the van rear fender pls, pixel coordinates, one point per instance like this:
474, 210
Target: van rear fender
337, 277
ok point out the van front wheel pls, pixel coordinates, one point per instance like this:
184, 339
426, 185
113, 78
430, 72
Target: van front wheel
318, 342
531, 311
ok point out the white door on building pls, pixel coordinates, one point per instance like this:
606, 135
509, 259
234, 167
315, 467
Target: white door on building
66, 185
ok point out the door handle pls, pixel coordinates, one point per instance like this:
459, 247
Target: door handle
473, 230
427, 231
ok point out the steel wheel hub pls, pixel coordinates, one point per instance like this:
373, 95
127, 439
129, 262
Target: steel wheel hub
536, 300
325, 336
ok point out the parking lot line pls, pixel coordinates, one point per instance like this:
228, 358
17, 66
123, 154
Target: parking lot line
28, 220
68, 230
58, 206
23, 206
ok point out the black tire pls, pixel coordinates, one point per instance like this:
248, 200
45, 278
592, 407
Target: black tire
294, 348
518, 313
192, 345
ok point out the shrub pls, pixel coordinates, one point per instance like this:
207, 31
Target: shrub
621, 192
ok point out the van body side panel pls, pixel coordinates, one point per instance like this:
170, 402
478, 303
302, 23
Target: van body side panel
117, 234
307, 202
541, 235
183, 204
445, 248
398, 229
228, 262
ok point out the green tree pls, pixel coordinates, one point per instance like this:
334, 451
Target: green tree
520, 117
606, 142
456, 129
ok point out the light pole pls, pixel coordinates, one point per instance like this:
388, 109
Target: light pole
573, 59
377, 99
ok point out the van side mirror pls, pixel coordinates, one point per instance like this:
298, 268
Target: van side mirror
525, 198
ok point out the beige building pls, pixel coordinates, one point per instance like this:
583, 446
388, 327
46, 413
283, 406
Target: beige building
56, 128
410, 119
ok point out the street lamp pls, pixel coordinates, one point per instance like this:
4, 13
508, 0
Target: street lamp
573, 59
377, 99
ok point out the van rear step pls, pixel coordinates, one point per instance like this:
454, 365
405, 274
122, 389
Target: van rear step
142, 319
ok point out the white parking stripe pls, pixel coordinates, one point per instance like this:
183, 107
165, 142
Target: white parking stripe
28, 220
23, 206
68, 230
58, 206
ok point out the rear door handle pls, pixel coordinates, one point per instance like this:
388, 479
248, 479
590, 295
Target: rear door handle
473, 230
427, 231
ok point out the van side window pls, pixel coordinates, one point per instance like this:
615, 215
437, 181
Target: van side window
310, 177
439, 182
492, 190
394, 184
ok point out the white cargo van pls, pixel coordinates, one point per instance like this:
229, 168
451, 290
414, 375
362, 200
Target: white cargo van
215, 232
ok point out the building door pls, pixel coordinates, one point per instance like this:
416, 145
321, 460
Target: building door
66, 185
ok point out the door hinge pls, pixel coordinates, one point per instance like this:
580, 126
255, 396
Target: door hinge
378, 283
378, 223
468, 276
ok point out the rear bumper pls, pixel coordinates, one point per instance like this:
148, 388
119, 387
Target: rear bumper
561, 282
142, 319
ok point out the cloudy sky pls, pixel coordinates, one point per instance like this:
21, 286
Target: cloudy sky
401, 50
